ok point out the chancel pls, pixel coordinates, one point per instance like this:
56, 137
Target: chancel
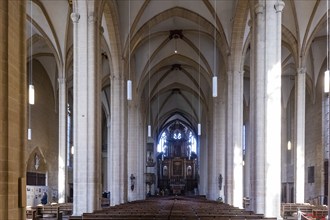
177, 160
166, 109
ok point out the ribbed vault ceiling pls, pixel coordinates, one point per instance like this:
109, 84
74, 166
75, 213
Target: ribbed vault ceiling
204, 33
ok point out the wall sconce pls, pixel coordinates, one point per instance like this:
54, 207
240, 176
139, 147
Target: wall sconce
132, 177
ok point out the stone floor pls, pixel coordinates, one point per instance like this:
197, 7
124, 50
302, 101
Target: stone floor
51, 218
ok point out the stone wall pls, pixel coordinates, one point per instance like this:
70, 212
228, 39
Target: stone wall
13, 99
313, 144
44, 124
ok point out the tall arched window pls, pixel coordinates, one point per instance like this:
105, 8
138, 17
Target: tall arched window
69, 136
180, 132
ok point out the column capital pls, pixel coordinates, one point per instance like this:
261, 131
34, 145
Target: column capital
92, 18
279, 6
61, 80
116, 77
75, 17
301, 70
241, 73
259, 8
235, 72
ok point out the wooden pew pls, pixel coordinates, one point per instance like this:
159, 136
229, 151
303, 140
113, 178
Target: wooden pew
75, 217
31, 213
65, 208
174, 209
98, 216
49, 211
288, 209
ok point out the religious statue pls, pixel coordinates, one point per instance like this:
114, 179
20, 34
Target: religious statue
36, 161
132, 177
220, 181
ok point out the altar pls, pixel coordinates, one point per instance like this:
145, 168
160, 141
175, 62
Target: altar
177, 166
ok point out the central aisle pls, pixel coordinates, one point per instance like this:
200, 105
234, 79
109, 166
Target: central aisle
174, 207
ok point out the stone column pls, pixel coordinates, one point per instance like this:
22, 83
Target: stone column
259, 111
109, 157
141, 158
116, 157
234, 139
106, 171
220, 139
85, 111
123, 148
300, 128
98, 34
237, 120
203, 159
273, 71
62, 144
221, 143
217, 154
13, 113
249, 153
268, 107
247, 166
133, 151
229, 150
213, 191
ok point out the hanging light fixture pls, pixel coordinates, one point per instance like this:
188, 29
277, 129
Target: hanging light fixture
215, 78
199, 129
214, 86
29, 134
326, 73
175, 35
326, 90
31, 92
289, 146
149, 125
149, 130
31, 87
129, 82
199, 126
326, 81
129, 89
175, 44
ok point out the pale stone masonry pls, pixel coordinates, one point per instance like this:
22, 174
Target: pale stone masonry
13, 99
62, 146
249, 53
116, 155
267, 49
300, 128
86, 116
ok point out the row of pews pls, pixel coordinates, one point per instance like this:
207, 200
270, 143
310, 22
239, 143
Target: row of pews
55, 210
290, 210
174, 208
